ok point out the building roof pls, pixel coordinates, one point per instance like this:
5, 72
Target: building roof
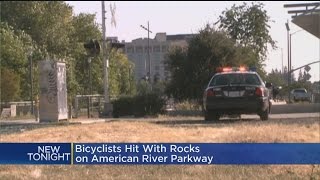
180, 37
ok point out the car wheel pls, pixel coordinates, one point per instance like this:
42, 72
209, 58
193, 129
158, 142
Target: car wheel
264, 115
210, 116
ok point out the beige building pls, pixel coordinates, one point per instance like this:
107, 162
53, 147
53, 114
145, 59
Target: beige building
137, 52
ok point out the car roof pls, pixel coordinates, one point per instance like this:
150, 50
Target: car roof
236, 72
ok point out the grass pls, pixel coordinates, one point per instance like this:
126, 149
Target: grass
22, 117
167, 129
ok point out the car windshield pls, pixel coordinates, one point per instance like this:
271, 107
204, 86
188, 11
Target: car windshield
235, 79
300, 91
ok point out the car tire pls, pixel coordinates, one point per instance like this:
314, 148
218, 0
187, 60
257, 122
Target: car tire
264, 115
210, 116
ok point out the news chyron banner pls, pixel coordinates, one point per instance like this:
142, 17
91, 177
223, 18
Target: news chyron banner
160, 153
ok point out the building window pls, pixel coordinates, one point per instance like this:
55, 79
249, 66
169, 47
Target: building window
146, 49
164, 48
156, 49
139, 49
129, 49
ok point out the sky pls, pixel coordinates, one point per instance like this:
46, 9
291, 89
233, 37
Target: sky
178, 17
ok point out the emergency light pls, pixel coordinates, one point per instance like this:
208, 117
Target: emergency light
230, 69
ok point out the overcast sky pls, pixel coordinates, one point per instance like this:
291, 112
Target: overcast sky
190, 16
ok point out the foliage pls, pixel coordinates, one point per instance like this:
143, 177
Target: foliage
123, 106
151, 103
121, 77
192, 68
242, 39
249, 26
188, 105
48, 23
15, 50
277, 78
37, 30
148, 104
303, 77
10, 85
143, 87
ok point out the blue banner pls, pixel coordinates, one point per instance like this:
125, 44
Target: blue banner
160, 153
197, 153
35, 153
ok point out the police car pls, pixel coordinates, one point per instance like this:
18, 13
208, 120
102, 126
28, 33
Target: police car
236, 91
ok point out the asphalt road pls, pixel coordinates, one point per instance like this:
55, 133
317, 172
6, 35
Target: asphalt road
295, 108
285, 116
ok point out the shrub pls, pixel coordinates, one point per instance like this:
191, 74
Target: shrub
140, 105
188, 105
123, 106
148, 104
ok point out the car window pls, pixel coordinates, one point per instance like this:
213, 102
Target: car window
220, 80
235, 79
300, 91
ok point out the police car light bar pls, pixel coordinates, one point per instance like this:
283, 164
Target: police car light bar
229, 69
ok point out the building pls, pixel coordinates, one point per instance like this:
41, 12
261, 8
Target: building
137, 52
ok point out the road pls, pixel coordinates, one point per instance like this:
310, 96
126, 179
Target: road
285, 116
280, 108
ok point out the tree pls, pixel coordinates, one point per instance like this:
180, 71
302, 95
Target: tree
277, 78
49, 29
121, 77
84, 29
192, 68
48, 23
176, 62
15, 48
10, 85
300, 76
249, 26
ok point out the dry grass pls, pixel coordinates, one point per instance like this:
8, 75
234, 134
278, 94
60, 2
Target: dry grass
167, 129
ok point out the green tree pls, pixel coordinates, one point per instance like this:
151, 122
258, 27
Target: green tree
176, 63
277, 78
10, 85
48, 23
192, 68
249, 26
85, 29
121, 77
37, 30
16, 47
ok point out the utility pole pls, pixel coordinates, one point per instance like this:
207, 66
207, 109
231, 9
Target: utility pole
107, 106
282, 60
90, 89
289, 69
147, 29
149, 54
31, 82
291, 52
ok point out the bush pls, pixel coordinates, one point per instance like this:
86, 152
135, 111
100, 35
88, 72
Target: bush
188, 105
140, 105
123, 106
148, 104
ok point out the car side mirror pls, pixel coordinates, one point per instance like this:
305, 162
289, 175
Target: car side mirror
268, 85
